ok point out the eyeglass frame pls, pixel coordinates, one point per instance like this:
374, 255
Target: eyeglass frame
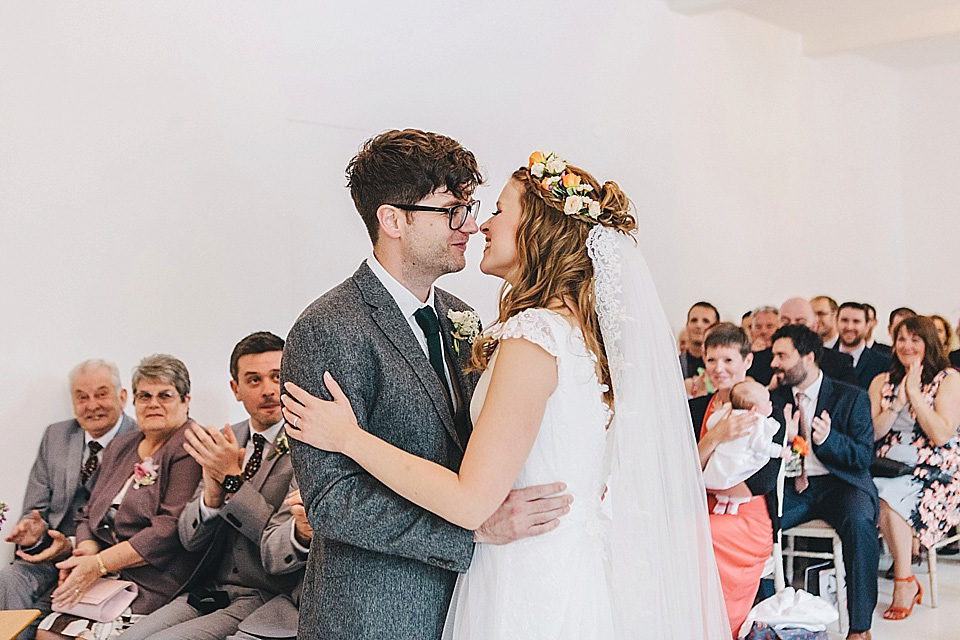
473, 210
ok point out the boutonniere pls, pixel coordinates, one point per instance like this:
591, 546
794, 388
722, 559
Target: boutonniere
466, 326
280, 446
799, 448
145, 473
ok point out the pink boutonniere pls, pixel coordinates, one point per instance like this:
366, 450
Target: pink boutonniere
145, 473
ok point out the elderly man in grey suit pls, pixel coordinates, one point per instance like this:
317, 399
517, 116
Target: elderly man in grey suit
60, 482
284, 548
382, 568
246, 475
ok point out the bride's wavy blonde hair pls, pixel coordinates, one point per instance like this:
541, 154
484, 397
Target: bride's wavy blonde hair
554, 268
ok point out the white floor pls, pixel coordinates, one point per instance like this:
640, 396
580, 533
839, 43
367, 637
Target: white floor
942, 623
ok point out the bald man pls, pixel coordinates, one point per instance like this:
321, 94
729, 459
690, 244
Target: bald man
835, 365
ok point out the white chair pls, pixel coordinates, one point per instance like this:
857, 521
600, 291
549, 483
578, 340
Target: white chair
932, 565
820, 529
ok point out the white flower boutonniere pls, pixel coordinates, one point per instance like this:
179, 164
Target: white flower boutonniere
466, 326
280, 446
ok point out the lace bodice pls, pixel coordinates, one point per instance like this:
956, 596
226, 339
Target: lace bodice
571, 444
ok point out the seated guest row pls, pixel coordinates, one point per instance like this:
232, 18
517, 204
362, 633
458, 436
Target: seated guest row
911, 415
207, 523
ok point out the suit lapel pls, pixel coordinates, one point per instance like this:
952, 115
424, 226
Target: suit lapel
395, 327
825, 398
462, 379
74, 453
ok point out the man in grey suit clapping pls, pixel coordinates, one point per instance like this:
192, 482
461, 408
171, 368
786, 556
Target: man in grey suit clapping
60, 482
381, 567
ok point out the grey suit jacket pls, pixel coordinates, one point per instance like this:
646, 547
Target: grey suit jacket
53, 487
384, 567
231, 540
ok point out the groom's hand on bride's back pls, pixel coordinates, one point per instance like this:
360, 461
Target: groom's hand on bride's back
526, 512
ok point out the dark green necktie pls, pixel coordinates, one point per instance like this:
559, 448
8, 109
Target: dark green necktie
426, 317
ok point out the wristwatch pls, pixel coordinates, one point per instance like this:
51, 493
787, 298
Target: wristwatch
231, 484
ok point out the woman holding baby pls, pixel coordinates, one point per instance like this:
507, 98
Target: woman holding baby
745, 525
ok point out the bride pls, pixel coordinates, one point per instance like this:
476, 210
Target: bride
580, 382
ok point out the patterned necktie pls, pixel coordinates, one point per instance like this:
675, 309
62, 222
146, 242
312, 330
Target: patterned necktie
426, 317
801, 482
256, 459
92, 462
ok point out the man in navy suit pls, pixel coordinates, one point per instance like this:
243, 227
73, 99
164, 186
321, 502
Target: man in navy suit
834, 483
853, 322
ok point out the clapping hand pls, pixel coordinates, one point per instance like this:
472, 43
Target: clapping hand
59, 548
324, 424
793, 423
911, 383
28, 531
821, 428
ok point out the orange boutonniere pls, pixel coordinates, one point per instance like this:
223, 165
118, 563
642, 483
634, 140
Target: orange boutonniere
801, 446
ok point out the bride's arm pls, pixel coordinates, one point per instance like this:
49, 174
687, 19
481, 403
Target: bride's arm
523, 378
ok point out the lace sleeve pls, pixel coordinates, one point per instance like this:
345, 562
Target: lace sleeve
533, 325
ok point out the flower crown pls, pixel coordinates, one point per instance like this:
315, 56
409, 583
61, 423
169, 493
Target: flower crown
564, 185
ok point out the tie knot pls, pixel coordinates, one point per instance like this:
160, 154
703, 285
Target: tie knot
95, 447
258, 441
801, 396
426, 317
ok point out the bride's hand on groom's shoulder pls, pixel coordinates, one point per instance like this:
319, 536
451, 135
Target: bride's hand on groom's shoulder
324, 424
526, 512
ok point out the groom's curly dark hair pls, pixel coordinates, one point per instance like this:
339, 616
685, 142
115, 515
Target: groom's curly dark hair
405, 166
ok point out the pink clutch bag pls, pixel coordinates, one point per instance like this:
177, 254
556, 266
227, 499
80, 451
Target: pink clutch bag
104, 601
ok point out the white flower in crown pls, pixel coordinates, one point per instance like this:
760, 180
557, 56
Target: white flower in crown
537, 169
466, 326
556, 166
572, 205
593, 209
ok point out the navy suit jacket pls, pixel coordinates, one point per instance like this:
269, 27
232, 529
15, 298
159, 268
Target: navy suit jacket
848, 450
955, 358
871, 364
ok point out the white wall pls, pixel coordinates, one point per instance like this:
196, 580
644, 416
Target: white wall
171, 173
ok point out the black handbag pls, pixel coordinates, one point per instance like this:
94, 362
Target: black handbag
888, 468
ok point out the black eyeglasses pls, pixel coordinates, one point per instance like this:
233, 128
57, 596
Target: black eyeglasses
457, 213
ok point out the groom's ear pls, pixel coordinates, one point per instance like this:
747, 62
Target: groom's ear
389, 218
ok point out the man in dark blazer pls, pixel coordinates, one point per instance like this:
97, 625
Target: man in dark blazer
380, 567
852, 323
63, 475
246, 476
834, 482
835, 365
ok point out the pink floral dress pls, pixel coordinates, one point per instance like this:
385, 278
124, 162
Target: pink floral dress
929, 499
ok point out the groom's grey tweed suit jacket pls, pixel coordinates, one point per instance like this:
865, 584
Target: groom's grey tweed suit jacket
385, 568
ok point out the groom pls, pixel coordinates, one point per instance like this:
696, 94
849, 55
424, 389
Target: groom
385, 568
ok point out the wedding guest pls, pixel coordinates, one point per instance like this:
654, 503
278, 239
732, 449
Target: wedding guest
834, 483
682, 342
284, 547
700, 317
896, 316
852, 320
871, 323
742, 541
129, 526
63, 474
916, 413
246, 476
766, 320
944, 332
826, 309
799, 311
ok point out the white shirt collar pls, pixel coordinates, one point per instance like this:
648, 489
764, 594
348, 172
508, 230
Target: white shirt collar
813, 391
404, 298
270, 434
832, 342
105, 439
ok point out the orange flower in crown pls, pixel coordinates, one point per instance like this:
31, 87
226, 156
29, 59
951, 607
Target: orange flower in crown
564, 185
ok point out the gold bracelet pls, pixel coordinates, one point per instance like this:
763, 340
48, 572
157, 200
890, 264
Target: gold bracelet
103, 568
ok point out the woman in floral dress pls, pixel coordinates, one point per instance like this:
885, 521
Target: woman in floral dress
916, 415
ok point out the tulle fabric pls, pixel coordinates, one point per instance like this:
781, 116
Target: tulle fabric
664, 575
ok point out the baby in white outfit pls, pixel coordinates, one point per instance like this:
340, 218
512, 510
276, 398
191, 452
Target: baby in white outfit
736, 460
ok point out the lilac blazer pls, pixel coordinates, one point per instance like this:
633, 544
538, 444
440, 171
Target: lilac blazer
147, 517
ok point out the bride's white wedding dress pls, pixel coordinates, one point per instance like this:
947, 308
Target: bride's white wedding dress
556, 585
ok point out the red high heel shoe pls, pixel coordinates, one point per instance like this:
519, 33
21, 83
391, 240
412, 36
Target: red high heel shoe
899, 613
